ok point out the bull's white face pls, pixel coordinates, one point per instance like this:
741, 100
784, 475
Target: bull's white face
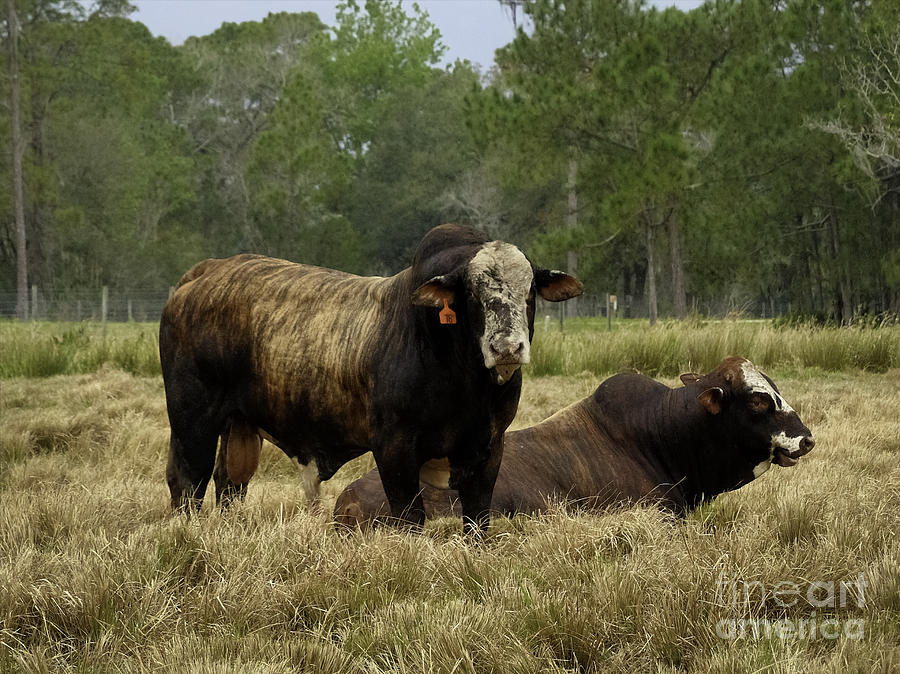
501, 279
785, 448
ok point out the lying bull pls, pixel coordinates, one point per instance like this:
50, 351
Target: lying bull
328, 366
633, 440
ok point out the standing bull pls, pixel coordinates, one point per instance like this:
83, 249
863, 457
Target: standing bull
327, 366
632, 440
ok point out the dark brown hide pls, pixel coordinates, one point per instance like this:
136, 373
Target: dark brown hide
633, 440
329, 365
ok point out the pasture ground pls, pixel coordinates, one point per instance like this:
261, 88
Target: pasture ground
97, 576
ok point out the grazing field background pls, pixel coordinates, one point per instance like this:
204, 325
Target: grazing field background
96, 575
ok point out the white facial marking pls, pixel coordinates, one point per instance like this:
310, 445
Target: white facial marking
755, 381
309, 479
788, 444
501, 277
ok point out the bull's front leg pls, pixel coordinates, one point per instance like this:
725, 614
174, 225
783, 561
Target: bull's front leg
476, 489
398, 468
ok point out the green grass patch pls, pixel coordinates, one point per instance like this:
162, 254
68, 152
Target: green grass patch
673, 347
45, 349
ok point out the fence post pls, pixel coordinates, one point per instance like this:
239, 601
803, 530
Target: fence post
104, 304
562, 315
33, 301
78, 310
130, 315
608, 315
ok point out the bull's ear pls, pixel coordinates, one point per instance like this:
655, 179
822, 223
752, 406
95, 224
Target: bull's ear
711, 399
556, 286
689, 378
433, 293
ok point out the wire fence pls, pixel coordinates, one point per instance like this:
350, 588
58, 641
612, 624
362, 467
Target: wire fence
90, 305
146, 305
592, 305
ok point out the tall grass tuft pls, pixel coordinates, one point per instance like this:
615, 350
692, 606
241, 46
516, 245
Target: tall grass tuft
672, 348
48, 349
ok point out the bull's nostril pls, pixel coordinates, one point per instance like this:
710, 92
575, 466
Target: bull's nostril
807, 443
503, 349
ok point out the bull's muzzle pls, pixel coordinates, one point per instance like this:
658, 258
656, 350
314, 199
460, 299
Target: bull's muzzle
506, 355
789, 453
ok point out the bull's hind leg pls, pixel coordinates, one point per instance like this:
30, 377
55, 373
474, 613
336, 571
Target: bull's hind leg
196, 420
237, 461
189, 468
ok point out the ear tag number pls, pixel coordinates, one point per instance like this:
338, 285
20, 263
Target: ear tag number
447, 315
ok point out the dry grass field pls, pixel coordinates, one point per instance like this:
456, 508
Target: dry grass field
97, 576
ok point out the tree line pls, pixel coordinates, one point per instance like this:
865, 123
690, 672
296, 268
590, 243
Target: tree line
744, 155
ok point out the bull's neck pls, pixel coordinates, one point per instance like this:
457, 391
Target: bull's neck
450, 344
684, 440
667, 434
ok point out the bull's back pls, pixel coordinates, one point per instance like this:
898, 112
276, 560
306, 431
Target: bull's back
286, 339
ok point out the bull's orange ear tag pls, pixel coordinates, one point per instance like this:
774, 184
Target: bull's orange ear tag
447, 315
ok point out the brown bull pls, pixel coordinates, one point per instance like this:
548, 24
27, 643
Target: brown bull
328, 365
632, 440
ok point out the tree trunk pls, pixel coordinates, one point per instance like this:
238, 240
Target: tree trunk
627, 291
39, 217
651, 274
571, 223
15, 108
843, 281
820, 249
679, 296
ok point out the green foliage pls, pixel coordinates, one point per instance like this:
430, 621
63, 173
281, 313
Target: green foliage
703, 119
677, 347
748, 149
244, 72
106, 173
49, 349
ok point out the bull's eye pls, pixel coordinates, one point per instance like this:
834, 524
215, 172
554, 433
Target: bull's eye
760, 403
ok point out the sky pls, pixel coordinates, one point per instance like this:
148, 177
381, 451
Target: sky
471, 29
